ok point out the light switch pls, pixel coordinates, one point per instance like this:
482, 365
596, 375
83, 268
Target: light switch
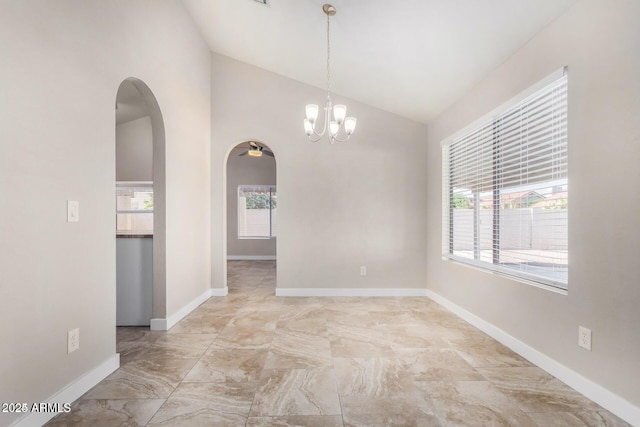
73, 211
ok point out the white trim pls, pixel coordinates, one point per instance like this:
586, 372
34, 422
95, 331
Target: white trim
158, 325
502, 272
72, 392
170, 321
351, 292
220, 292
188, 308
251, 257
602, 396
507, 104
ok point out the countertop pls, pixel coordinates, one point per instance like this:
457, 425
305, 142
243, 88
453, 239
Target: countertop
134, 235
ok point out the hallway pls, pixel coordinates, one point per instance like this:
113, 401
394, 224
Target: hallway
253, 359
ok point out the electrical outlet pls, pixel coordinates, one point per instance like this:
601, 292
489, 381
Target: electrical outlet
73, 340
584, 338
363, 271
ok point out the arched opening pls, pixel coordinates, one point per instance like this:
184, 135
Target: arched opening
251, 217
141, 207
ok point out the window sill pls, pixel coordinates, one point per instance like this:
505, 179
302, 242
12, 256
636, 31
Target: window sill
256, 238
506, 275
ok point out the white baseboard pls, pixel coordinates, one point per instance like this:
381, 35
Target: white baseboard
158, 325
351, 292
72, 392
602, 396
220, 292
251, 257
170, 321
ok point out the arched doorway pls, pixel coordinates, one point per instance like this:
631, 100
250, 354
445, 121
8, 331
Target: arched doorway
140, 161
251, 216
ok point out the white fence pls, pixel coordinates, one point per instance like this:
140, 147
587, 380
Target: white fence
529, 228
255, 222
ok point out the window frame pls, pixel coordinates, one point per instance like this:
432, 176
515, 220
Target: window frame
493, 118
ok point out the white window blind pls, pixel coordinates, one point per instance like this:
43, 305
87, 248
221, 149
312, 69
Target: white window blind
506, 190
257, 208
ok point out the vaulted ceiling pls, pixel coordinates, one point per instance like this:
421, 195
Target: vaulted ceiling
410, 57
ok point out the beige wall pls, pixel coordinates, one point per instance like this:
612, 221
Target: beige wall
134, 150
600, 42
247, 170
63, 62
340, 206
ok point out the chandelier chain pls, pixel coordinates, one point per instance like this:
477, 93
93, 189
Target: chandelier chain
328, 59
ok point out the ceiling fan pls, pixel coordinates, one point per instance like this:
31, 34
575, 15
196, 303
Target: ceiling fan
256, 150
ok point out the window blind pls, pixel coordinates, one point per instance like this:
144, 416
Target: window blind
505, 190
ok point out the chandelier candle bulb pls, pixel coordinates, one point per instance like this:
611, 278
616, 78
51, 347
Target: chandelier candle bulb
312, 112
308, 127
350, 125
334, 128
339, 113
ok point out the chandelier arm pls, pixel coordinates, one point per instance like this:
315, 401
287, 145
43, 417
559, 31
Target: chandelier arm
335, 137
327, 119
323, 127
324, 130
319, 137
318, 134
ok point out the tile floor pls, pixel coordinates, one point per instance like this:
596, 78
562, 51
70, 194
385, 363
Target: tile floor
252, 359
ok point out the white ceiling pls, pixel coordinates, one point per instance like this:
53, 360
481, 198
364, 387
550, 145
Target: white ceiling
410, 57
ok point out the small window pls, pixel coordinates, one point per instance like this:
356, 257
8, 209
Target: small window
506, 192
257, 208
134, 208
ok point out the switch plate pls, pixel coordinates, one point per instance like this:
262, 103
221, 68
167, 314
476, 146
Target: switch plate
73, 340
73, 211
363, 271
584, 338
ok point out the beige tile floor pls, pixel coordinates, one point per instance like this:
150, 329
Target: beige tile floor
253, 359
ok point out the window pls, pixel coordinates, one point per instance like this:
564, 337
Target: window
256, 211
505, 189
134, 208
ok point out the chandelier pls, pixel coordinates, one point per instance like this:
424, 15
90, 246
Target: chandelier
330, 127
